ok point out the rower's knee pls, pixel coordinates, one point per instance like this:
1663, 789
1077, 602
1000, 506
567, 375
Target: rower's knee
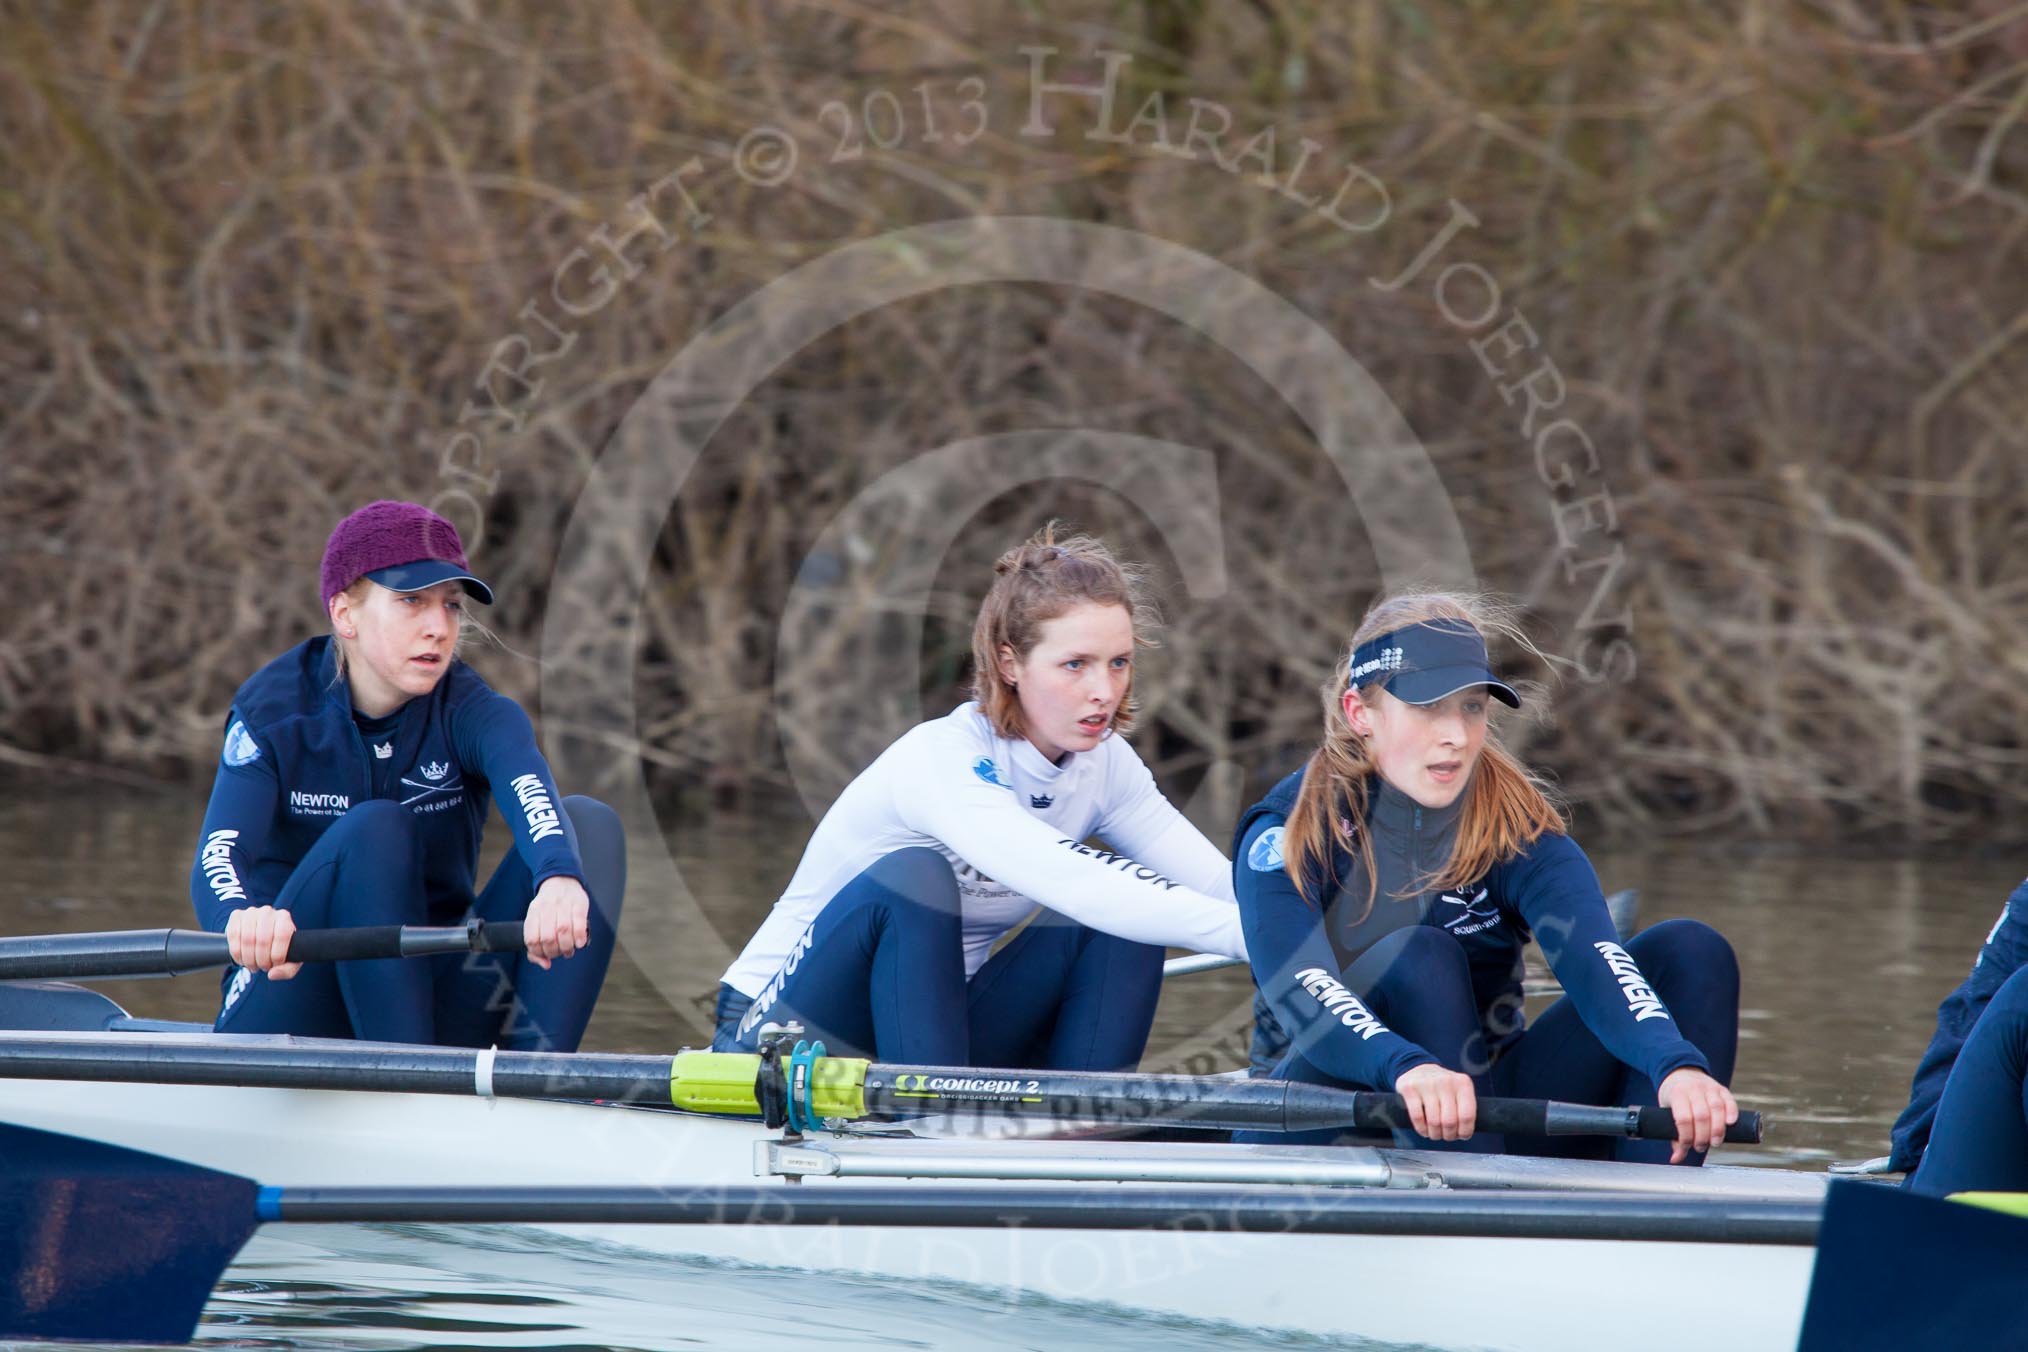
2002, 1029
602, 849
383, 819
918, 874
381, 831
2011, 1000
1126, 966
1429, 944
1128, 953
1423, 954
597, 825
1688, 949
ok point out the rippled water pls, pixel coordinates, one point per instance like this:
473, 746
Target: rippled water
478, 1286
1844, 960
391, 1288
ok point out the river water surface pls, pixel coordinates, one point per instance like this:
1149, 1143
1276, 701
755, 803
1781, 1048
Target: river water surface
1844, 960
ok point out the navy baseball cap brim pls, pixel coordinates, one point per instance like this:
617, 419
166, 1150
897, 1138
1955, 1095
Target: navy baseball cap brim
1423, 663
409, 577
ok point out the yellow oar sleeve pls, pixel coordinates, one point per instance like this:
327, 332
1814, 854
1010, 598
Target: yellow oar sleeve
2013, 1203
722, 1082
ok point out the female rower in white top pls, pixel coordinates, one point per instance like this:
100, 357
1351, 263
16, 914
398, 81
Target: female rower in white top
973, 823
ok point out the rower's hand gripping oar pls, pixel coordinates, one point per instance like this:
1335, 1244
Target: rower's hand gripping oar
168, 952
815, 1087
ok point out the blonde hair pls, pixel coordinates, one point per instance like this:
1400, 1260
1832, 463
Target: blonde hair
341, 653
1033, 583
1507, 807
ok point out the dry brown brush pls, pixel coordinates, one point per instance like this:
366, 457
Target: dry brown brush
259, 258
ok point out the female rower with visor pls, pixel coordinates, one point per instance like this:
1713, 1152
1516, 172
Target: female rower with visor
352, 790
1388, 887
948, 909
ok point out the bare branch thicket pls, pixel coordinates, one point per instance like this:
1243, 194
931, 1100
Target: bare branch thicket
258, 259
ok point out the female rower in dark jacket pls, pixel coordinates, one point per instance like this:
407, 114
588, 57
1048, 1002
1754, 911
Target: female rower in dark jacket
352, 790
1388, 887
1965, 1128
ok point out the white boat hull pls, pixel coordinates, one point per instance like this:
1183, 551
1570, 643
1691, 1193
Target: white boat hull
1533, 1295
1450, 1291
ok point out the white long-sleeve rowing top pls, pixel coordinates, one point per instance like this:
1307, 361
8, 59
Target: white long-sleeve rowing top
1013, 826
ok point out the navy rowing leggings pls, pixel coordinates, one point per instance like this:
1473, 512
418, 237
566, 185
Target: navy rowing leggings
1980, 1140
881, 973
1420, 984
367, 869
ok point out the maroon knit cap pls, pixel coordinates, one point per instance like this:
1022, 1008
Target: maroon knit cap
400, 545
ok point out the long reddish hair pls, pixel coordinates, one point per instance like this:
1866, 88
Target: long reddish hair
1507, 807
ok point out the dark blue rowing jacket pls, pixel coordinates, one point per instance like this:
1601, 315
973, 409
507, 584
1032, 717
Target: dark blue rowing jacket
295, 760
2004, 952
1548, 892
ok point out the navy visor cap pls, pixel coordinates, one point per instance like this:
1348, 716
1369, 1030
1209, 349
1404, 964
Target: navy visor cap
1424, 663
408, 577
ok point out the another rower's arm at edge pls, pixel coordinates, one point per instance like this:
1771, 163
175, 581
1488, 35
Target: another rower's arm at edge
2004, 952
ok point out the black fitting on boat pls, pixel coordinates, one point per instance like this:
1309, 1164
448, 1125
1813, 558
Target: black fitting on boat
770, 1084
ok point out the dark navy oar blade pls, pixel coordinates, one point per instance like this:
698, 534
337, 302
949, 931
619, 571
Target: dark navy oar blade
1897, 1270
104, 1244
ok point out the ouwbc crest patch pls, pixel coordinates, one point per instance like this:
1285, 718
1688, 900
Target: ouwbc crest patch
1265, 855
1479, 914
240, 747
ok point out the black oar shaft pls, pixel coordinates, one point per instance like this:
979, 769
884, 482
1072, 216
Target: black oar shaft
66, 957
171, 952
1142, 1100
725, 1083
1233, 1105
973, 1205
220, 1059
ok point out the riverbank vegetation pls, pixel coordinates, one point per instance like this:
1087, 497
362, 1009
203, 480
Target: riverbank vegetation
1763, 262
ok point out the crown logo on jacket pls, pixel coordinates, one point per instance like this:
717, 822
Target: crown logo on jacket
434, 770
